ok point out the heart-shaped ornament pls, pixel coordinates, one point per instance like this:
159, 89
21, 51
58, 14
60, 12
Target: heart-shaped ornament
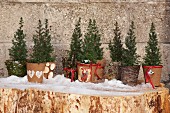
38, 74
30, 73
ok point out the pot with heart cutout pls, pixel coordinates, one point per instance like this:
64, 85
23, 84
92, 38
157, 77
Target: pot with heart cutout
35, 72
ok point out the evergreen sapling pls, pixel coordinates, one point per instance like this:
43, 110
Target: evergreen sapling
91, 44
152, 56
130, 57
18, 51
115, 46
47, 44
42, 49
75, 53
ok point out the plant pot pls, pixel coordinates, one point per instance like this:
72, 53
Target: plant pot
49, 70
129, 74
69, 70
70, 73
152, 73
91, 72
17, 68
112, 70
35, 72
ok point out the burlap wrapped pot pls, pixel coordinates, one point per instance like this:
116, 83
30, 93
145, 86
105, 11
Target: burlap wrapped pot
129, 74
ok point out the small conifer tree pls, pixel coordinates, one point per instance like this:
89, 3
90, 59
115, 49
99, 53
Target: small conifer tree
75, 53
115, 46
91, 44
42, 49
152, 56
48, 47
18, 51
130, 56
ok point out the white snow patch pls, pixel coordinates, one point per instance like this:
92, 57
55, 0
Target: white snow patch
61, 84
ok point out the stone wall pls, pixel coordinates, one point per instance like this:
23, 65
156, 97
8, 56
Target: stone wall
63, 14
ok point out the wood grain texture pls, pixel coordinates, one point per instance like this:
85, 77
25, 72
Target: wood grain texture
39, 101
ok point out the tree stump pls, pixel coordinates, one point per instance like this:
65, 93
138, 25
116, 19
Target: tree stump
43, 101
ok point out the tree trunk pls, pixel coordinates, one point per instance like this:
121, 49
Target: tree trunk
38, 101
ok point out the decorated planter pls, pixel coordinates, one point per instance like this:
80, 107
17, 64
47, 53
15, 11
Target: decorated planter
112, 71
49, 70
17, 68
152, 74
70, 73
35, 72
68, 70
91, 72
129, 74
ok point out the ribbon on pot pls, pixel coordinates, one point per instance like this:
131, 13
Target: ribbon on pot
98, 66
72, 71
149, 72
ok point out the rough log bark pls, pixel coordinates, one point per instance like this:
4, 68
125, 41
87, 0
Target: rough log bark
39, 101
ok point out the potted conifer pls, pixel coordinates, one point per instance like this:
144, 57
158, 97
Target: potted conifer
116, 49
18, 53
91, 68
152, 67
41, 59
130, 64
70, 63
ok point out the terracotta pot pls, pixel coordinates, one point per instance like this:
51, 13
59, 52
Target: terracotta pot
17, 68
129, 74
154, 73
91, 72
49, 70
35, 72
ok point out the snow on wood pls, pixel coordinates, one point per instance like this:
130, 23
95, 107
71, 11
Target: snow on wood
61, 84
59, 95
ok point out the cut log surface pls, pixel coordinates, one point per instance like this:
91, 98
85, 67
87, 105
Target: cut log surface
40, 98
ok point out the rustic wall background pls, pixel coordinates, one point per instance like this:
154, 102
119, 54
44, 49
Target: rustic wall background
63, 14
